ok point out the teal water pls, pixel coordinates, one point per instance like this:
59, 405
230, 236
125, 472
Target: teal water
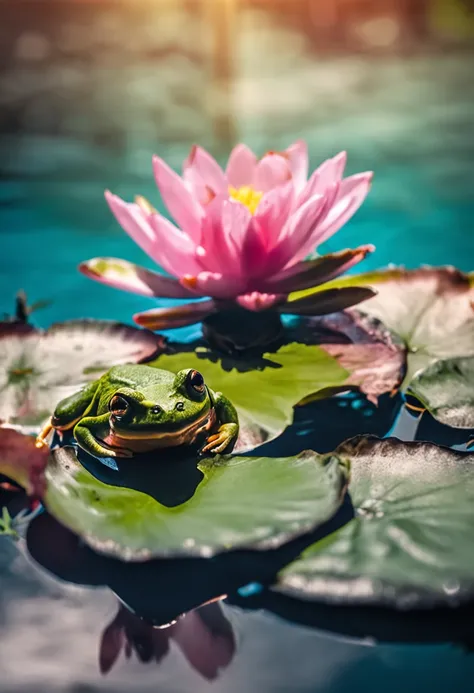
408, 121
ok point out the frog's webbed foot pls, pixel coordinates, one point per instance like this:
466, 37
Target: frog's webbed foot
224, 440
41, 438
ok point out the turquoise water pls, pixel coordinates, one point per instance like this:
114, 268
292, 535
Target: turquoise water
408, 121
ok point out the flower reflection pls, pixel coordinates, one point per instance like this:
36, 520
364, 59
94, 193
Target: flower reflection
204, 636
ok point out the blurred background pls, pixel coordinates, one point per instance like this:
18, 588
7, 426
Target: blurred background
91, 89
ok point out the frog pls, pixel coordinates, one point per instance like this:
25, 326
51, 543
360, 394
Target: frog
134, 409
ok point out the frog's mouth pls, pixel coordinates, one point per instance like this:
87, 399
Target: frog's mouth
142, 440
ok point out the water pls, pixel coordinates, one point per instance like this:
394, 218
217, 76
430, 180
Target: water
408, 118
409, 121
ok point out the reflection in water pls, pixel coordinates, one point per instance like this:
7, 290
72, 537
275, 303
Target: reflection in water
161, 589
273, 655
204, 636
376, 624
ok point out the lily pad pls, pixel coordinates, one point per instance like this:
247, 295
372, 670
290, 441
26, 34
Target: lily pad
373, 356
429, 428
410, 544
431, 309
240, 502
21, 461
38, 368
266, 394
446, 390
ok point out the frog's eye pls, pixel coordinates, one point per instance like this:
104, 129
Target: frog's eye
195, 383
119, 406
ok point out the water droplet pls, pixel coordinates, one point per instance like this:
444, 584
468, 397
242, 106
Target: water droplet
451, 587
189, 543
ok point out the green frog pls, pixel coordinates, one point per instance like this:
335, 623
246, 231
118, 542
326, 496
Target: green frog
135, 408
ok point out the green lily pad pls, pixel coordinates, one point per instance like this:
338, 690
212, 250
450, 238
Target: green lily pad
410, 544
266, 394
39, 368
446, 390
430, 308
239, 502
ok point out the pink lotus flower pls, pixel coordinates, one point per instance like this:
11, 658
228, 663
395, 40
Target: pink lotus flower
241, 236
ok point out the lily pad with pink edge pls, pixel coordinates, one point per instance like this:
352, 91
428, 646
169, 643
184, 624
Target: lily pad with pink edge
431, 309
22, 462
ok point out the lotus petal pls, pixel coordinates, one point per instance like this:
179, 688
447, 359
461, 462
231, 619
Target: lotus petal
130, 277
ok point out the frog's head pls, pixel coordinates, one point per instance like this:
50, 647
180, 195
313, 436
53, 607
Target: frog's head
169, 412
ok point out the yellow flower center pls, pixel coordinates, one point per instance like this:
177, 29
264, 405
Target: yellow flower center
143, 203
247, 196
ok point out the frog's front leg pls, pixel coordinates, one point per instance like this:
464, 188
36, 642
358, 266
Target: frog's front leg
226, 436
84, 434
68, 412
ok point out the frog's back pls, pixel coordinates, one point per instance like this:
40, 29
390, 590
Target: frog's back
136, 376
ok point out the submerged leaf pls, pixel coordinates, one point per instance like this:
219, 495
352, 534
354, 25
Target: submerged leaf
39, 368
252, 502
265, 395
410, 545
446, 390
431, 309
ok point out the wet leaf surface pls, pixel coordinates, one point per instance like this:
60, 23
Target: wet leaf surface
446, 390
227, 502
39, 368
409, 545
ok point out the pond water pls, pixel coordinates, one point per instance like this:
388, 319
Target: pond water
409, 119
